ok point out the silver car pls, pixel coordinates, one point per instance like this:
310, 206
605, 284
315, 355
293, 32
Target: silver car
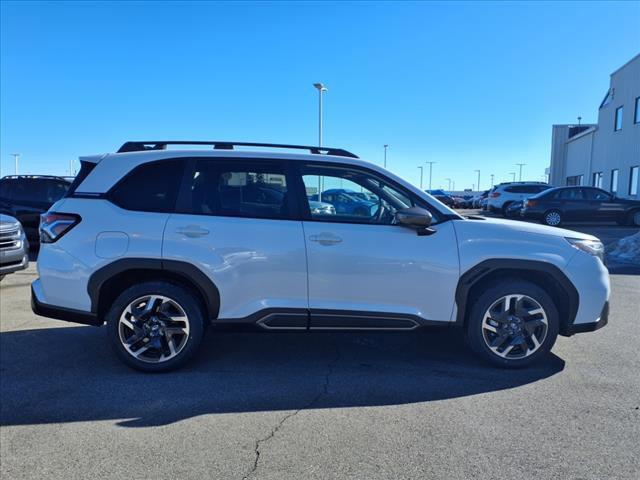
14, 246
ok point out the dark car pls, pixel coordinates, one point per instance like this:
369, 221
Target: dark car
561, 204
513, 209
347, 202
442, 196
25, 197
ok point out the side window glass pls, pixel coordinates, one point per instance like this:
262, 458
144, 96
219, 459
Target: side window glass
593, 194
151, 187
241, 190
5, 189
344, 195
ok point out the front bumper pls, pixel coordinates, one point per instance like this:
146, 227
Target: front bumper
13, 260
590, 327
60, 313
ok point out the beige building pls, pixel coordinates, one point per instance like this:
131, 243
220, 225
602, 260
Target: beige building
605, 155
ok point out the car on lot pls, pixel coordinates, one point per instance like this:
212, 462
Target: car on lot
14, 246
476, 202
347, 202
321, 208
513, 210
592, 204
160, 243
504, 194
442, 196
25, 197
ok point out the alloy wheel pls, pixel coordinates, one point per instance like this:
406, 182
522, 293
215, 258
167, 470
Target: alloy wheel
514, 326
153, 328
552, 218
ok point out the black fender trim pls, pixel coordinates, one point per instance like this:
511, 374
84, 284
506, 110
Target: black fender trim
476, 273
186, 270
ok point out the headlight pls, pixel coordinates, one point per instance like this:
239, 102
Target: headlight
592, 247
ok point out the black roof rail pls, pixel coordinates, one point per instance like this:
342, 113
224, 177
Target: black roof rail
138, 146
56, 177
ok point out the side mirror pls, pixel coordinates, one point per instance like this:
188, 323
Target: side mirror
417, 218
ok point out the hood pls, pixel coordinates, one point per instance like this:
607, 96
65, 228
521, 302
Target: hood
527, 227
7, 222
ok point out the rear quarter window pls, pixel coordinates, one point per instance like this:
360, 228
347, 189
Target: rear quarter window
151, 187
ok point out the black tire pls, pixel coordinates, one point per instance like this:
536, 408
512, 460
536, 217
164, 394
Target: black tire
184, 298
474, 327
634, 218
549, 218
504, 208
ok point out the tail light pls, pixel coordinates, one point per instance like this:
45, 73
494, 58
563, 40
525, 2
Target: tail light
495, 194
54, 225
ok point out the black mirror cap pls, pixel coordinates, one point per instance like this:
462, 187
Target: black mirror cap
414, 217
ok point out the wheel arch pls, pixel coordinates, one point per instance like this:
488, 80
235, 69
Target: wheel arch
106, 283
547, 276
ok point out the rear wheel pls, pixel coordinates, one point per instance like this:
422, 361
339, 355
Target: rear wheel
553, 218
513, 324
155, 326
505, 207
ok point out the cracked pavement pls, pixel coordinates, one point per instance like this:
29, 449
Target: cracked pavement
316, 406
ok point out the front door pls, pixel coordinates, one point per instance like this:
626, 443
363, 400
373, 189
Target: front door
237, 225
364, 270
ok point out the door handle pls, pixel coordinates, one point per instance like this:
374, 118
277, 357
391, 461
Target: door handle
192, 231
325, 239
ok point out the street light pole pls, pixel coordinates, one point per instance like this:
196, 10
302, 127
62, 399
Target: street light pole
430, 172
492, 180
520, 165
478, 179
448, 180
421, 172
514, 176
321, 89
385, 154
16, 157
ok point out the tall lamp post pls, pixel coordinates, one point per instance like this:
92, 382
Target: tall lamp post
478, 171
16, 157
513, 176
492, 180
321, 89
385, 154
421, 172
520, 165
430, 172
448, 180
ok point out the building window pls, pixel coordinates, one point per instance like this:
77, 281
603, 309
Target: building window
597, 179
636, 117
614, 180
618, 119
574, 181
633, 181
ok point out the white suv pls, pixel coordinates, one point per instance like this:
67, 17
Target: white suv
504, 194
159, 243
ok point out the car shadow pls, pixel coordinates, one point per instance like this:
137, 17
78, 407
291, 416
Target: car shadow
69, 374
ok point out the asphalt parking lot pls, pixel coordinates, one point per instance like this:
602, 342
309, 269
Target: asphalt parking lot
317, 406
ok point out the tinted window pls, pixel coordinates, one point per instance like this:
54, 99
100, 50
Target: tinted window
570, 194
151, 187
342, 194
6, 188
239, 189
593, 194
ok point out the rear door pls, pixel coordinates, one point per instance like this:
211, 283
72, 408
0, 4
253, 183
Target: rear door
236, 221
364, 270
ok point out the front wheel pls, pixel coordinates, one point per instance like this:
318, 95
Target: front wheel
553, 218
513, 324
155, 326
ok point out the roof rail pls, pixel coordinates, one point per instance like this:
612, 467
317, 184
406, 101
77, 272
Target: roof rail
56, 177
139, 146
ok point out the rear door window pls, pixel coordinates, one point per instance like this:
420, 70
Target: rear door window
254, 189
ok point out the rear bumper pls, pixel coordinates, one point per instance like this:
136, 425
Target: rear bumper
590, 327
60, 313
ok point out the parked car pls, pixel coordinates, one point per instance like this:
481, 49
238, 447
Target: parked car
321, 208
14, 246
160, 243
503, 194
25, 197
513, 210
477, 200
442, 196
347, 202
562, 204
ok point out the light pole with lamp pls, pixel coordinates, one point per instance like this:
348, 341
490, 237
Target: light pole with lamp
16, 157
321, 89
513, 174
520, 165
478, 171
421, 172
430, 172
385, 154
